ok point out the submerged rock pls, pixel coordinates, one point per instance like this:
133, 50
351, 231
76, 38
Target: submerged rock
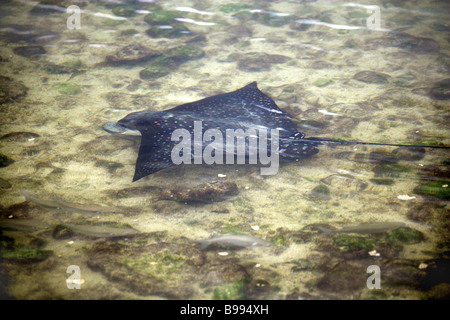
5, 161
61, 232
205, 193
233, 7
25, 254
170, 60
423, 212
124, 11
11, 90
173, 31
416, 45
409, 154
405, 235
273, 19
4, 184
383, 182
47, 7
354, 242
371, 77
131, 54
184, 53
27, 33
163, 269
157, 70
440, 90
19, 137
405, 41
389, 170
299, 25
67, 88
343, 278
382, 157
164, 25
257, 62
435, 172
18, 210
58, 69
240, 31
160, 17
321, 192
29, 51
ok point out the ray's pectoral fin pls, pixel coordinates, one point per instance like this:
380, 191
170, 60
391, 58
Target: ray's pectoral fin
152, 157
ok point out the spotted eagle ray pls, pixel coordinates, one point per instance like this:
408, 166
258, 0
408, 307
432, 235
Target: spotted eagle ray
245, 108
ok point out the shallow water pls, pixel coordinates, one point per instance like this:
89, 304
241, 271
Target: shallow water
321, 61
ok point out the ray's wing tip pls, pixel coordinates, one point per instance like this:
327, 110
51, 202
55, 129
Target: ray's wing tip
137, 176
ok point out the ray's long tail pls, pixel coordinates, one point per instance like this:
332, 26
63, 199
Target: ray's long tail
322, 140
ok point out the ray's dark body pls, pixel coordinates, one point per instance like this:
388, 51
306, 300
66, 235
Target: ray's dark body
245, 108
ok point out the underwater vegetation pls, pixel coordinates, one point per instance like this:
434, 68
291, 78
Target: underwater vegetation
170, 61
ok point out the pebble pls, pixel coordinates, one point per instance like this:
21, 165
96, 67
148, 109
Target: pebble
405, 197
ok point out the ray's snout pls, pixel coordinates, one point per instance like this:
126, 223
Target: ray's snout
114, 128
118, 128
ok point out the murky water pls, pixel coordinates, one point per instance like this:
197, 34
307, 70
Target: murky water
346, 71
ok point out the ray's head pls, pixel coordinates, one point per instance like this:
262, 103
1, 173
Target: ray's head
136, 120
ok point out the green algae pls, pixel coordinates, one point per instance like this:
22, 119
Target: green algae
389, 170
321, 192
322, 82
72, 64
25, 254
279, 240
242, 205
184, 53
175, 31
160, 17
233, 7
404, 235
157, 69
438, 189
272, 19
230, 228
68, 89
112, 22
353, 242
124, 11
234, 291
357, 15
56, 69
169, 61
